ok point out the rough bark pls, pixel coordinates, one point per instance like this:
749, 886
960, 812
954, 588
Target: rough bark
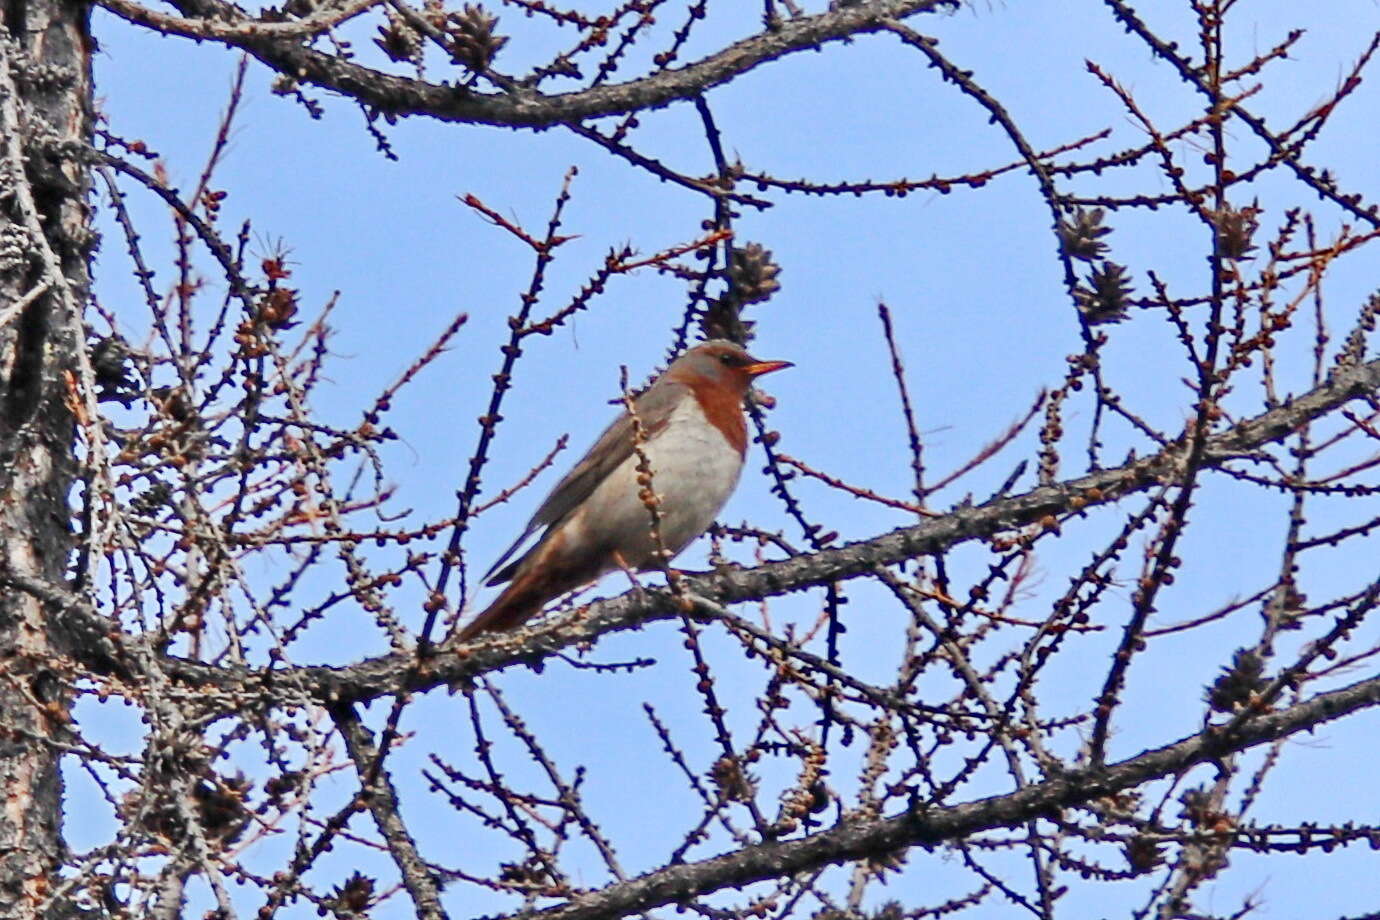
45, 92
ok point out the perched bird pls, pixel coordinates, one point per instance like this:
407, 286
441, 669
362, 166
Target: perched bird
696, 438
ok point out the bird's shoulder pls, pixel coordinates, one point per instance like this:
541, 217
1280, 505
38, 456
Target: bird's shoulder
654, 408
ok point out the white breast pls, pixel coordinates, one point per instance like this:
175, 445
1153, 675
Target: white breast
694, 471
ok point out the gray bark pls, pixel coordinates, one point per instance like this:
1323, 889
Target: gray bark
45, 92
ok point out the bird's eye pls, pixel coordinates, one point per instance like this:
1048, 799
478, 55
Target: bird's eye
727, 358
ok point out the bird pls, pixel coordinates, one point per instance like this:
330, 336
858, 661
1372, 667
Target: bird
695, 441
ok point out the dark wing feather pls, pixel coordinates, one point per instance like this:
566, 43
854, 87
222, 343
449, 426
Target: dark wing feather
654, 408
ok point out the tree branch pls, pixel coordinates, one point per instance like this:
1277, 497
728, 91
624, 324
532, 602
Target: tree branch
522, 107
929, 826
106, 649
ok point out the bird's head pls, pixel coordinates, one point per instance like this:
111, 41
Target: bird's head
721, 363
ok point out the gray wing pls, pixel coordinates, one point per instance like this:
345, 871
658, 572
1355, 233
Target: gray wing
614, 446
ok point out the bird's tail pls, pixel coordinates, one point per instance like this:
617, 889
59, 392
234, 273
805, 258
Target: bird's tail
537, 581
518, 603
547, 571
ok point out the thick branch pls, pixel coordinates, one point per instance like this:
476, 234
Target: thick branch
244, 29
382, 798
928, 827
107, 650
226, 23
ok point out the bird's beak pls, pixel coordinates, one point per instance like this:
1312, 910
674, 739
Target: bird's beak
766, 367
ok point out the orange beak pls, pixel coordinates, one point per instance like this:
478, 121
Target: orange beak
766, 367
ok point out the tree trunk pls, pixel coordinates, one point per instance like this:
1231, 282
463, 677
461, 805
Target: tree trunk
45, 102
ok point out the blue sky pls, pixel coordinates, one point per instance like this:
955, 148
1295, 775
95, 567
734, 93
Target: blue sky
980, 311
